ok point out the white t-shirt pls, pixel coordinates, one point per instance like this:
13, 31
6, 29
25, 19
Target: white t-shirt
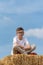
23, 42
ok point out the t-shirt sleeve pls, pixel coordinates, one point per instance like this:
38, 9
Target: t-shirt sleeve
26, 42
14, 44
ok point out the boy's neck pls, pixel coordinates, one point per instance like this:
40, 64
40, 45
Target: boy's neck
20, 38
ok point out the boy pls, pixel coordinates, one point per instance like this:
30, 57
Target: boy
20, 44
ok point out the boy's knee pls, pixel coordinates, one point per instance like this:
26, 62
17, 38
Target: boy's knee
15, 48
33, 46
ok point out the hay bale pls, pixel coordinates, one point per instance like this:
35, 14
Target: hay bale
7, 60
1, 63
21, 59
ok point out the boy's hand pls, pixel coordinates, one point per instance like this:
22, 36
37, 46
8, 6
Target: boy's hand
28, 47
21, 46
17, 44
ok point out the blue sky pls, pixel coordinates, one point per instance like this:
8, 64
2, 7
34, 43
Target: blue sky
25, 13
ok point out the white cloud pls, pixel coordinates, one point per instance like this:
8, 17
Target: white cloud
6, 18
38, 32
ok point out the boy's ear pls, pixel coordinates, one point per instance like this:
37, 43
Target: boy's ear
23, 33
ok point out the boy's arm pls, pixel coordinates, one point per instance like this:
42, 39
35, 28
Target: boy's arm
17, 44
27, 45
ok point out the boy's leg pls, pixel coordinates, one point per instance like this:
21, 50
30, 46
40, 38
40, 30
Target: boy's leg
17, 49
33, 47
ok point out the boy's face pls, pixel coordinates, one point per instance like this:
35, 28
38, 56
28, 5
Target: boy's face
20, 33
